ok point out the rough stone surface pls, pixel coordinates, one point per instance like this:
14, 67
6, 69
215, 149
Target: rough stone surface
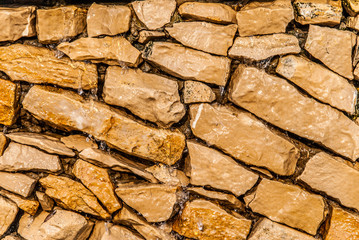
353, 23
45, 201
8, 212
3, 143
145, 36
17, 183
109, 231
78, 142
168, 175
351, 7
196, 92
12, 237
9, 96
343, 225
28, 205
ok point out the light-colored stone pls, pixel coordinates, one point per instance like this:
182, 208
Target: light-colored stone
145, 36
343, 225
28, 205
190, 64
244, 137
9, 97
333, 48
78, 142
45, 201
262, 47
168, 175
17, 183
39, 65
107, 20
351, 7
8, 212
13, 236
196, 92
109, 231
353, 23
356, 72
278, 102
70, 111
3, 143
288, 204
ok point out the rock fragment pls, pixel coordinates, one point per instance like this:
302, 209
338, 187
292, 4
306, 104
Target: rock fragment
197, 92
145, 36
3, 143
109, 231
9, 98
8, 212
17, 183
45, 201
13, 236
353, 23
351, 6
168, 175
28, 205
78, 142
343, 225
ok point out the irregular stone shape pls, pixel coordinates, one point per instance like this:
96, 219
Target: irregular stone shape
210, 12
146, 36
337, 53
17, 183
60, 224
72, 195
154, 13
107, 20
351, 7
78, 142
196, 92
154, 201
109, 231
26, 63
3, 143
288, 204
17, 23
266, 17
262, 47
98, 181
13, 236
168, 175
204, 220
326, 12
319, 82
353, 23
210, 167
46, 202
343, 225
8, 212
70, 111
278, 102
243, 136
208, 37
55, 24
9, 97
109, 50
28, 205
190, 64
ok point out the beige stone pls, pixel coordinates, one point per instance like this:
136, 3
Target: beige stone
78, 142
8, 212
61, 23
196, 92
244, 137
45, 201
13, 236
27, 63
28, 205
70, 111
17, 183
109, 231
9, 97
275, 100
343, 225
356, 72
107, 20
333, 48
351, 7
145, 36
168, 175
3, 143
353, 23
262, 47
190, 64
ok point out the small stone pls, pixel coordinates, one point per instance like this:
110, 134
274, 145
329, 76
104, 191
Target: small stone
262, 47
109, 231
3, 143
343, 225
9, 98
145, 36
107, 20
197, 92
353, 23
78, 142
8, 212
13, 236
337, 53
45, 201
28, 205
288, 204
351, 6
17, 183
169, 175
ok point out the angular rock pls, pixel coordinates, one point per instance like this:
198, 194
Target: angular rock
278, 102
154, 201
72, 195
351, 6
8, 212
353, 23
319, 82
46, 202
109, 50
109, 231
17, 183
262, 47
146, 36
3, 143
53, 25
343, 225
288, 204
78, 142
208, 37
104, 123
244, 137
9, 97
26, 63
28, 205
196, 92
264, 17
201, 219
337, 53
154, 13
107, 20
168, 175
189, 64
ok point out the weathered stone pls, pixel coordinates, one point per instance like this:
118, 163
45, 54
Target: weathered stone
204, 220
109, 231
9, 96
154, 13
78, 142
109, 50
278, 102
28, 205
45, 201
72, 195
264, 17
353, 23
196, 92
319, 82
146, 36
17, 183
154, 201
210, 12
8, 212
332, 47
169, 175
107, 20
262, 47
243, 136
26, 63
3, 143
343, 225
53, 25
288, 204
351, 6
208, 37
69, 110
190, 64
13, 236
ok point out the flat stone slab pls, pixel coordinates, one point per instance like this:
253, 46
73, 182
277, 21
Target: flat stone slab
17, 183
8, 212
109, 231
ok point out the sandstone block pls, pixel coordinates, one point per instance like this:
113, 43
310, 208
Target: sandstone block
9, 97
28, 205
45, 201
109, 231
8, 212
343, 225
196, 92
145, 36
17, 183
168, 175
78, 142
3, 143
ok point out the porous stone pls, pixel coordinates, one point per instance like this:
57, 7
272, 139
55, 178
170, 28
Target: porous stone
3, 143
351, 7
196, 92
145, 36
168, 175
109, 231
8, 212
17, 183
45, 201
78, 142
28, 205
343, 225
9, 97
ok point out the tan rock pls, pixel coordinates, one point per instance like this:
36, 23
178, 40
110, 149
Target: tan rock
208, 37
46, 202
244, 137
275, 100
210, 12
145, 36
9, 97
28, 205
351, 7
109, 231
196, 92
353, 23
262, 47
264, 17
288, 204
72, 195
337, 53
8, 212
3, 143
154, 201
319, 82
190, 64
26, 63
343, 225
107, 20
13, 236
17, 183
168, 175
154, 13
78, 142
104, 123
53, 25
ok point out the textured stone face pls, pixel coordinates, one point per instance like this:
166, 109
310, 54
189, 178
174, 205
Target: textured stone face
343, 225
196, 92
145, 36
46, 202
3, 143
8, 212
351, 6
28, 205
109, 231
17, 183
168, 175
9, 96
78, 142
